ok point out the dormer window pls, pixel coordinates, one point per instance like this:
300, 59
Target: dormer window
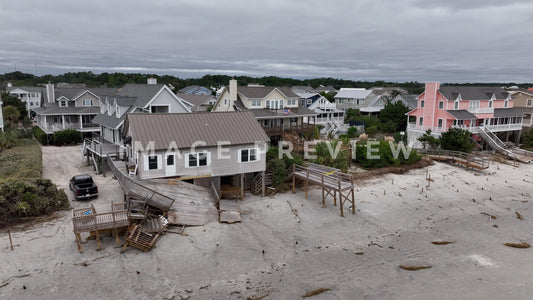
87, 102
63, 103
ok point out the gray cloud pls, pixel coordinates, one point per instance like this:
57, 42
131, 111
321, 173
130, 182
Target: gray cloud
363, 40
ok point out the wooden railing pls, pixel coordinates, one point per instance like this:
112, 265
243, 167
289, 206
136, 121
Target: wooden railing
481, 162
215, 196
278, 129
86, 219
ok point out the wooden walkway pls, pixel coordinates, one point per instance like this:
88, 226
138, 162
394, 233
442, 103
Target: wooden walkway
186, 204
331, 180
87, 220
462, 158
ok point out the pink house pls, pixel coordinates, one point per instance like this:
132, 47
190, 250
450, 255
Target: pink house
480, 109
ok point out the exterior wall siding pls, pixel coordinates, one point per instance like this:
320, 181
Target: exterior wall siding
218, 166
87, 96
166, 99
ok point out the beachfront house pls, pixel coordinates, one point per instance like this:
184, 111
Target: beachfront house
70, 108
523, 99
276, 109
31, 95
355, 98
409, 100
327, 113
146, 98
225, 148
483, 110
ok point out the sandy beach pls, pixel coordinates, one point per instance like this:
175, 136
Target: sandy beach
288, 245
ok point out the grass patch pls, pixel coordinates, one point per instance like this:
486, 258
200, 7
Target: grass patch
315, 292
23, 191
23, 161
522, 245
413, 268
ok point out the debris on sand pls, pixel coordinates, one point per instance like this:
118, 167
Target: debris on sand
519, 216
492, 217
359, 253
413, 268
442, 242
522, 245
258, 297
315, 292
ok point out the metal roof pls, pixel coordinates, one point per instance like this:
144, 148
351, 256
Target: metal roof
186, 129
353, 93
462, 114
451, 92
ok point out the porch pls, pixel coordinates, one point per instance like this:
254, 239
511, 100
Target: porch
83, 123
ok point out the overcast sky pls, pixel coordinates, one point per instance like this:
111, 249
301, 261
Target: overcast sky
401, 40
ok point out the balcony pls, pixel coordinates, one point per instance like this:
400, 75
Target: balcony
473, 129
277, 129
484, 110
87, 127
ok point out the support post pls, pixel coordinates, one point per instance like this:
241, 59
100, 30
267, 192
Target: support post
307, 183
98, 244
340, 198
323, 197
242, 185
263, 183
293, 178
78, 241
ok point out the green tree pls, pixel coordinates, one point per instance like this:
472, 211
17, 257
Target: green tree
12, 100
329, 96
428, 140
457, 139
393, 116
11, 114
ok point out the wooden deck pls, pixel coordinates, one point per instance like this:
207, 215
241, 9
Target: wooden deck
88, 220
462, 158
331, 180
229, 212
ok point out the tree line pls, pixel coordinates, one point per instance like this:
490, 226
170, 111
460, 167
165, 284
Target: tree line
120, 79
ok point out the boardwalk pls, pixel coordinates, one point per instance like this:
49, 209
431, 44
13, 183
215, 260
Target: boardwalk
332, 181
462, 158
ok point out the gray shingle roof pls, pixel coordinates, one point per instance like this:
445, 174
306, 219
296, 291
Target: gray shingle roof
196, 99
143, 92
508, 112
31, 89
54, 109
255, 92
462, 114
110, 121
279, 113
411, 100
473, 92
186, 129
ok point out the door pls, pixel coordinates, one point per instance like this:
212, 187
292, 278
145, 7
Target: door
170, 164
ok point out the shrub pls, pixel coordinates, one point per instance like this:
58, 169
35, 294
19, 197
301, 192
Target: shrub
279, 171
428, 140
67, 137
370, 131
386, 156
457, 139
352, 132
40, 135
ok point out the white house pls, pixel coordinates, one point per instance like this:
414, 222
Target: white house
328, 115
30, 95
354, 98
199, 102
145, 98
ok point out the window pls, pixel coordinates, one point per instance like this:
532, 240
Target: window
256, 103
63, 103
274, 104
152, 162
309, 101
473, 104
441, 104
67, 119
506, 103
421, 120
421, 103
490, 103
529, 102
456, 104
87, 102
248, 155
170, 160
226, 102
198, 159
291, 102
439, 123
159, 109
